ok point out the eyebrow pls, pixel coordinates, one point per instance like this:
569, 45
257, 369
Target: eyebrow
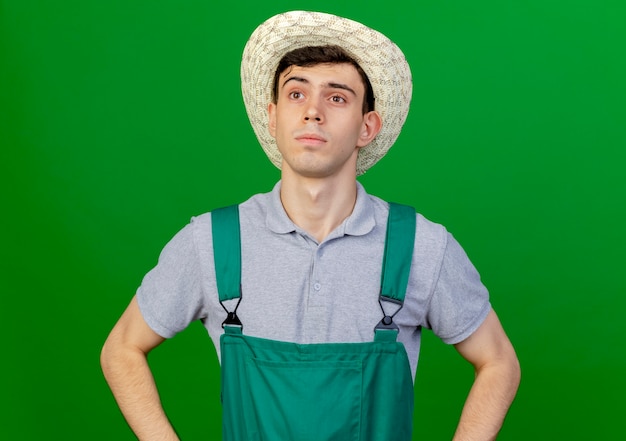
329, 85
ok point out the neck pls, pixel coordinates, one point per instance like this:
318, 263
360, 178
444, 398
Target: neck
318, 206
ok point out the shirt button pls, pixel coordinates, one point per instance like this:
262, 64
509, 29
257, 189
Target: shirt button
317, 287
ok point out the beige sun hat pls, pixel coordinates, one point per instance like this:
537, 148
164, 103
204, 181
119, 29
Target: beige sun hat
382, 61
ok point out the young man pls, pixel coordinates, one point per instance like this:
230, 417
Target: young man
327, 98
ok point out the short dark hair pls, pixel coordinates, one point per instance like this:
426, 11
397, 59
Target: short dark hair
313, 55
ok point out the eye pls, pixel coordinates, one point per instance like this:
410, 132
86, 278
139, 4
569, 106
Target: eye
337, 99
295, 95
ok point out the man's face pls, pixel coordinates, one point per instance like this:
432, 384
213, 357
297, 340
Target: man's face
318, 119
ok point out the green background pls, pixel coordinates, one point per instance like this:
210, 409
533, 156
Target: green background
119, 120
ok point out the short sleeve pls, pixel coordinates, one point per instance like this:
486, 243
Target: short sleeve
460, 302
170, 295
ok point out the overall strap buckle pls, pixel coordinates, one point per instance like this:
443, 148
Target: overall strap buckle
231, 316
387, 320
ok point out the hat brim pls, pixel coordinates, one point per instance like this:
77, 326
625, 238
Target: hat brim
381, 60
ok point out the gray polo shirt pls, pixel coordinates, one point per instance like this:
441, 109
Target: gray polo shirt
298, 290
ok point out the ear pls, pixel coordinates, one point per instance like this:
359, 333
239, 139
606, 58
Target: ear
271, 115
372, 123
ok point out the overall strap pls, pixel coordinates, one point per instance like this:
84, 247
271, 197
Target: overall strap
227, 257
398, 252
397, 258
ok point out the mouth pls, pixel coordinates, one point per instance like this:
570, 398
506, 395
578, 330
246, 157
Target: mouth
311, 138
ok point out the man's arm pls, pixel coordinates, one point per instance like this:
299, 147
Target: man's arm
497, 369
126, 369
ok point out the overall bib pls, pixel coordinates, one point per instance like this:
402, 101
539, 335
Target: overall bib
281, 391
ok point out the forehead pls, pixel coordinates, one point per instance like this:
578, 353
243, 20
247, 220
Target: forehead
325, 75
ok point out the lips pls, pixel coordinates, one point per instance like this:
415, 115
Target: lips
310, 138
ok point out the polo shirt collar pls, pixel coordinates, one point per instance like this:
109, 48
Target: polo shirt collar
359, 223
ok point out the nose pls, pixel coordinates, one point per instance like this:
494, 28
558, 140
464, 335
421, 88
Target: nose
312, 112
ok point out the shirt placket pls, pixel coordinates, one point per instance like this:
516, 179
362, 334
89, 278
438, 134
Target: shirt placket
316, 317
